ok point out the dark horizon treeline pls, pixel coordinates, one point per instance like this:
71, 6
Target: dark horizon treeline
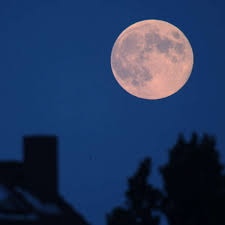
193, 188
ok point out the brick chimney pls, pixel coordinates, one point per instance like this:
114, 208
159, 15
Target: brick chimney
41, 166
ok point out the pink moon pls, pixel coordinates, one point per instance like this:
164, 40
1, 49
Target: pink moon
152, 59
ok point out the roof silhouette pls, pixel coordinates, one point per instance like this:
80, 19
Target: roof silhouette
29, 189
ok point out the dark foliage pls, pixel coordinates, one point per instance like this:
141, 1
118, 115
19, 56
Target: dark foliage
194, 183
194, 188
141, 200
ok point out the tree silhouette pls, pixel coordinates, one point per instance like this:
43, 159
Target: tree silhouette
194, 184
141, 200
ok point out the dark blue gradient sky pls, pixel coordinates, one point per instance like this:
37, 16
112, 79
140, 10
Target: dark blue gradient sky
55, 78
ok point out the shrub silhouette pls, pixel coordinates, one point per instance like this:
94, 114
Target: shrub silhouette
141, 200
194, 183
193, 188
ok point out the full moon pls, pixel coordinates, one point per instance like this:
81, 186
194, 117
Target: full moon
152, 59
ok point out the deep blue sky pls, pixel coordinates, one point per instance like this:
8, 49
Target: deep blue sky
55, 78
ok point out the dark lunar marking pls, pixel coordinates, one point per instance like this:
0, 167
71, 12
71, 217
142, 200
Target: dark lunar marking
135, 83
135, 72
176, 34
120, 71
152, 39
179, 48
146, 75
129, 44
141, 76
174, 59
128, 70
164, 45
148, 49
141, 57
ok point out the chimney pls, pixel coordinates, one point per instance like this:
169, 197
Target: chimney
41, 166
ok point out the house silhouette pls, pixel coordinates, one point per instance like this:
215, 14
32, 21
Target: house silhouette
29, 189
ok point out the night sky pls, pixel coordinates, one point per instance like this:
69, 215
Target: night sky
56, 78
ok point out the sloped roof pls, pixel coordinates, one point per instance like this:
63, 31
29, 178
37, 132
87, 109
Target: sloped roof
18, 204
